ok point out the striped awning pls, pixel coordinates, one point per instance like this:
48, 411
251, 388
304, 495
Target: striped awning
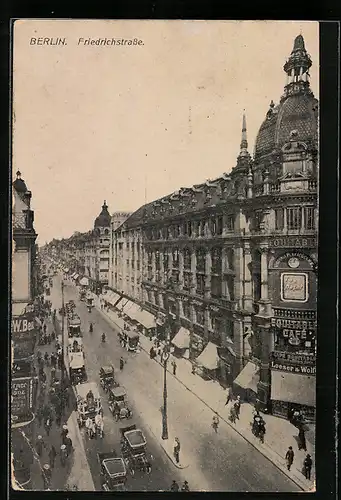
133, 311
146, 319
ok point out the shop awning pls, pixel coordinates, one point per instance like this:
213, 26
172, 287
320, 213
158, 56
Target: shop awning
293, 388
127, 306
84, 281
182, 339
145, 318
132, 312
66, 270
121, 305
248, 378
76, 276
209, 358
111, 298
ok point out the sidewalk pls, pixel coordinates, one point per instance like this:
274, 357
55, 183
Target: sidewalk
76, 472
280, 434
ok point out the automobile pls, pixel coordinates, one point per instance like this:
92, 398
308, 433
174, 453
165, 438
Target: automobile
113, 471
129, 339
86, 406
77, 370
118, 404
133, 448
107, 377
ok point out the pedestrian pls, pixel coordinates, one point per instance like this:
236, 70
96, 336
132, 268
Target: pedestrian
289, 457
53, 375
174, 486
237, 405
63, 455
193, 369
47, 474
40, 445
65, 432
48, 424
301, 439
176, 450
58, 417
215, 423
307, 465
229, 395
68, 444
257, 406
185, 486
53, 360
233, 416
46, 357
121, 363
174, 367
52, 456
66, 396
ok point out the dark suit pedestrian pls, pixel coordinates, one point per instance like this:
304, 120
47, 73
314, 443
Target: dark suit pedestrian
307, 465
289, 457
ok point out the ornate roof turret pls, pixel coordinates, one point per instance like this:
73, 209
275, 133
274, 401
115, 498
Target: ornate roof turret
19, 185
104, 218
244, 157
297, 69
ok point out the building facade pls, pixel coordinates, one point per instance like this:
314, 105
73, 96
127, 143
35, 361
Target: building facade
23, 329
233, 260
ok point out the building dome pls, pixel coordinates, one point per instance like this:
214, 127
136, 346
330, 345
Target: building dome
19, 185
297, 110
104, 219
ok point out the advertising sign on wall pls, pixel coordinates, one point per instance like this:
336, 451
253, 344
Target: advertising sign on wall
289, 364
294, 287
22, 395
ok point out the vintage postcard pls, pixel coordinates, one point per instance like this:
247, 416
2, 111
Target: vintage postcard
164, 261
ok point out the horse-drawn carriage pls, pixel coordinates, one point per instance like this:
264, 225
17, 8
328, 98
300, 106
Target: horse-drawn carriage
89, 404
113, 471
107, 377
133, 448
75, 345
118, 404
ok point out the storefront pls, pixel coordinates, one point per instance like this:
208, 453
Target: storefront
197, 345
293, 384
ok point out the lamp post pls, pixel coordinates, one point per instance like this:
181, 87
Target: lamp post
164, 358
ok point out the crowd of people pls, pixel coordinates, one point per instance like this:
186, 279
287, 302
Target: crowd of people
52, 403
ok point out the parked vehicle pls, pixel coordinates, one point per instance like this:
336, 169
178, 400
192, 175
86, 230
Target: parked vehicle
88, 402
75, 345
118, 404
133, 447
113, 471
107, 377
74, 325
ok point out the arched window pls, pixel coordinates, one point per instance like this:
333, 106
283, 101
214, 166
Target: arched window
175, 257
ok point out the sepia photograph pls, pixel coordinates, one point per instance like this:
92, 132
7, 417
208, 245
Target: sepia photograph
164, 186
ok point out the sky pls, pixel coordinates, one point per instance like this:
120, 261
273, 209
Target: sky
129, 124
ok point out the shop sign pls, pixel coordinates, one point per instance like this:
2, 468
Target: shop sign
22, 326
288, 367
294, 287
294, 358
293, 260
21, 395
294, 324
293, 242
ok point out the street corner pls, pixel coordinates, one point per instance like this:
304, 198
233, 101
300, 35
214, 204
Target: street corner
166, 445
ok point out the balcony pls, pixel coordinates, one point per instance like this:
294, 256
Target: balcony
23, 221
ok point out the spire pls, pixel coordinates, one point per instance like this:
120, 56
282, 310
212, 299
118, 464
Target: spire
243, 144
297, 69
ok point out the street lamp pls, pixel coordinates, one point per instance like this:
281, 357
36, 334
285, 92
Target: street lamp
164, 358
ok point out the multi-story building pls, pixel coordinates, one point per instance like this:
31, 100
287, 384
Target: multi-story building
233, 260
126, 263
23, 329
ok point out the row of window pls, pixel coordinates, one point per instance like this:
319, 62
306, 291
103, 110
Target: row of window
295, 218
200, 256
198, 228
